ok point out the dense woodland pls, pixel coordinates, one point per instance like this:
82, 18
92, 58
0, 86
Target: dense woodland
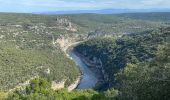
137, 64
27, 51
136, 57
146, 76
39, 89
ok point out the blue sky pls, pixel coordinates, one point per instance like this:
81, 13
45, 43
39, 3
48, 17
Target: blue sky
56, 5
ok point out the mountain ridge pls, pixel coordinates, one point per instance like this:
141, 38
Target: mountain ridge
103, 11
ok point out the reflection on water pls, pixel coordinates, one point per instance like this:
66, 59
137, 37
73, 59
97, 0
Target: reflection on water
88, 78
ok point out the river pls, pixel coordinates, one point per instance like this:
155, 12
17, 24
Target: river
88, 78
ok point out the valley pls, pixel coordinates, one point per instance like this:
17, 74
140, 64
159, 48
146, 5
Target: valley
88, 78
84, 56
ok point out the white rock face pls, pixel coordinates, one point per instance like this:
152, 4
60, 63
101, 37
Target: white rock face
57, 85
47, 71
74, 85
66, 41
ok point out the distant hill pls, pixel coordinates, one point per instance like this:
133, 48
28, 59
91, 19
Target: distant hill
104, 11
153, 16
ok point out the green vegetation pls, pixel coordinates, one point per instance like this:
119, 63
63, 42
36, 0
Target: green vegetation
39, 89
141, 73
109, 24
18, 66
137, 64
27, 51
149, 81
155, 16
27, 48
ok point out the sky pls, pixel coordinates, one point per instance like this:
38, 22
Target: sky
60, 5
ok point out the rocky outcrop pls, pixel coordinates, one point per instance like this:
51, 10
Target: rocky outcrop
56, 85
22, 86
64, 23
74, 85
66, 41
97, 63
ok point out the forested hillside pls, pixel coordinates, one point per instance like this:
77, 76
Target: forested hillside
111, 24
29, 50
137, 64
146, 76
39, 89
132, 51
155, 16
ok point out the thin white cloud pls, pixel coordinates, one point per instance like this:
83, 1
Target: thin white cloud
156, 2
66, 4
